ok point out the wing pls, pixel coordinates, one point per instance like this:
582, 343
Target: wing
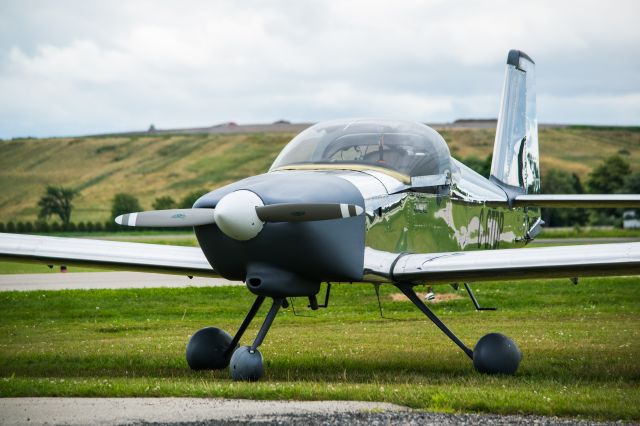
508, 264
577, 200
105, 254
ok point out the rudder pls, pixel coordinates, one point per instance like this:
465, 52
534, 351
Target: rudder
515, 165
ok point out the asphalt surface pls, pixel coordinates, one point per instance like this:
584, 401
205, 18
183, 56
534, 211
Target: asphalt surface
102, 411
202, 411
103, 280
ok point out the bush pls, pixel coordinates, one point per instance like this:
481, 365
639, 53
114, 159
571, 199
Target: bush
42, 226
2, 228
11, 227
71, 227
124, 203
28, 227
110, 225
89, 226
97, 227
81, 227
188, 201
20, 227
164, 203
55, 227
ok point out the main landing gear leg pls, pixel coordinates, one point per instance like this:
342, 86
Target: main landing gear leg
246, 362
210, 348
494, 353
475, 301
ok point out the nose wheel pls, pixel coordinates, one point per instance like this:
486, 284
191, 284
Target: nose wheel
214, 349
246, 362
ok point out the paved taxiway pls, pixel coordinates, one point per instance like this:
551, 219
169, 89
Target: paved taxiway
201, 411
97, 411
103, 280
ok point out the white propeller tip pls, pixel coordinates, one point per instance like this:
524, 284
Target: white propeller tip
119, 220
359, 210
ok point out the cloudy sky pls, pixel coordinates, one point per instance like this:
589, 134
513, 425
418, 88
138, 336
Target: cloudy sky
78, 67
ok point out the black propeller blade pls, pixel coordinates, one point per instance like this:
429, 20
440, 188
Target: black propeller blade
306, 212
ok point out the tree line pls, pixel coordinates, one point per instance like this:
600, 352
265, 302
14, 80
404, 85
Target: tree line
611, 176
57, 202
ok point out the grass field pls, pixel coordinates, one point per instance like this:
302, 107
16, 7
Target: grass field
581, 347
589, 233
149, 166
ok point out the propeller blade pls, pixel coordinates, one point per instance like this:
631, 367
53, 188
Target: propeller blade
173, 218
306, 212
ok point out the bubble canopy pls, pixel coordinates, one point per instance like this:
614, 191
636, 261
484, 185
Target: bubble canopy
411, 149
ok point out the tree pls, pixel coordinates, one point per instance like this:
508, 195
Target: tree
57, 201
123, 203
562, 182
608, 177
632, 186
482, 167
189, 200
164, 203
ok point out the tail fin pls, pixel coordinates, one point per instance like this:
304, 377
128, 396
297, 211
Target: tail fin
515, 164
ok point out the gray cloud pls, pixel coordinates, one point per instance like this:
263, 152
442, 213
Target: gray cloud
72, 67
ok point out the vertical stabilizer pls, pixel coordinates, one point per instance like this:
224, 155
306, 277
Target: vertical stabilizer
515, 164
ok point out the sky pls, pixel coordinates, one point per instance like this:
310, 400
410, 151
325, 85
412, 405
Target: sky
83, 67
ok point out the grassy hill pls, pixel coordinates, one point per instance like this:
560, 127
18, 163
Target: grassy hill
149, 166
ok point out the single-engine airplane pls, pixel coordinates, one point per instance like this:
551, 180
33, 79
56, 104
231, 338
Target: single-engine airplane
364, 201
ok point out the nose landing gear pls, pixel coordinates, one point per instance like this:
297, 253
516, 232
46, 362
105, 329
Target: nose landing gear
213, 349
246, 362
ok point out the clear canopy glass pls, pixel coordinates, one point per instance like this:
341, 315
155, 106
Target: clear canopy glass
412, 149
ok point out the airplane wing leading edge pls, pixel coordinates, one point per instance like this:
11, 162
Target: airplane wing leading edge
105, 254
510, 264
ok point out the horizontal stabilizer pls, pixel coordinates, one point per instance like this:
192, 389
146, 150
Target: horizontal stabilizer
577, 200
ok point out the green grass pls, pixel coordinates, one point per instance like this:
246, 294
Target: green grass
581, 347
38, 268
589, 233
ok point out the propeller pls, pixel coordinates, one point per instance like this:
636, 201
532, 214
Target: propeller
240, 215
172, 218
306, 212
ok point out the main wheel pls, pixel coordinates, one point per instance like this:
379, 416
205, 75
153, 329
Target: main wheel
495, 353
246, 365
208, 349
